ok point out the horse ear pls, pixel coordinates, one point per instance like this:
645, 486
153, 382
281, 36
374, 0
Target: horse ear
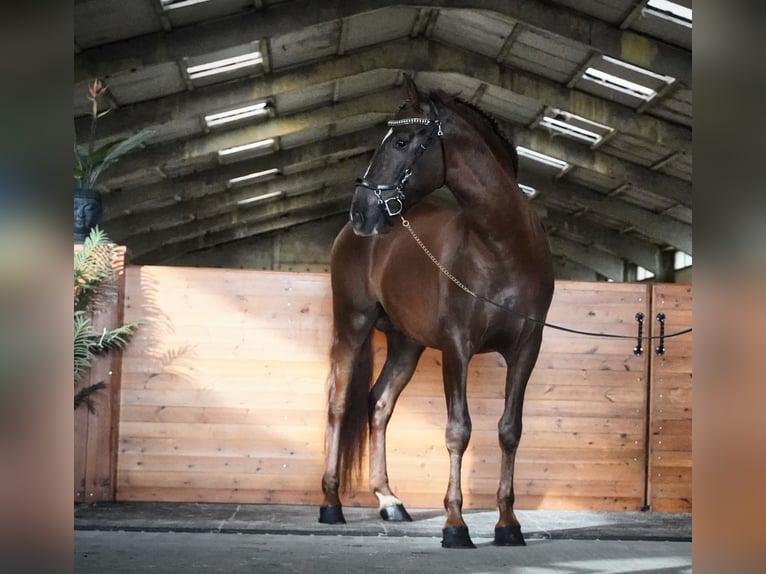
412, 90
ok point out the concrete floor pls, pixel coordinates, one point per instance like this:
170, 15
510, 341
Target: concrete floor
169, 538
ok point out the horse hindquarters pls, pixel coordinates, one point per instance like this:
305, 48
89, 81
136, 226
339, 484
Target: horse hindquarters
346, 434
350, 376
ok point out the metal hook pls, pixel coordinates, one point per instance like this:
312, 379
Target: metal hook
660, 349
639, 349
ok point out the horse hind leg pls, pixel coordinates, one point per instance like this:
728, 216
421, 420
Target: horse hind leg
350, 375
508, 529
402, 358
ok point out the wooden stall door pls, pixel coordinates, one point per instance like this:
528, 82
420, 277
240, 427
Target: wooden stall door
670, 448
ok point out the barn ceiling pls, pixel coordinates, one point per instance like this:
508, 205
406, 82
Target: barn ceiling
603, 87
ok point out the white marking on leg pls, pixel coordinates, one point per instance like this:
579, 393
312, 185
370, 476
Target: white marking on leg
386, 500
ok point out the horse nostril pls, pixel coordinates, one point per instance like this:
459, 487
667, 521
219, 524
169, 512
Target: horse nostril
357, 217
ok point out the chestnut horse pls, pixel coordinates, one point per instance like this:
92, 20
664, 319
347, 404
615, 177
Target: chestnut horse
381, 278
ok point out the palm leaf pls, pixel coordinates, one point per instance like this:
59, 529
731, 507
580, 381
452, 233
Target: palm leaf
115, 151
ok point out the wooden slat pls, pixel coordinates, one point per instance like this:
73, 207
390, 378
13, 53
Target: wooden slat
670, 418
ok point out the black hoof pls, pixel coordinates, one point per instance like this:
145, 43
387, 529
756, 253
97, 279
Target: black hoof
331, 515
395, 513
509, 535
456, 537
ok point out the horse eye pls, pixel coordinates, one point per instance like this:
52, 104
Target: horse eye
401, 144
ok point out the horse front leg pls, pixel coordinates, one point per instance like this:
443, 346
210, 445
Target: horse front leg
458, 433
508, 529
402, 358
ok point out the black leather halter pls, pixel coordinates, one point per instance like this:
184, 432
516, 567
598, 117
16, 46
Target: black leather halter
395, 204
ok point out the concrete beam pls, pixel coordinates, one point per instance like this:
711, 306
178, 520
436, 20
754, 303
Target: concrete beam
276, 215
661, 227
564, 268
176, 192
621, 171
608, 265
167, 254
203, 150
629, 248
337, 184
166, 225
408, 54
279, 19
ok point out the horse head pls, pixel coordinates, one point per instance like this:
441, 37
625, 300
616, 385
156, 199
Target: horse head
407, 165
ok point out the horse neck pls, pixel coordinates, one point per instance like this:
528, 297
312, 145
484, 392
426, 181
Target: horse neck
481, 177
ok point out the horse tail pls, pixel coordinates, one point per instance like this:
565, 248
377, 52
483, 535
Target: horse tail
355, 424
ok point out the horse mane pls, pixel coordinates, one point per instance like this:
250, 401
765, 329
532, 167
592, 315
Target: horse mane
489, 119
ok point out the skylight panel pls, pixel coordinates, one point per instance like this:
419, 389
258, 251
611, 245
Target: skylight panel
247, 147
261, 197
574, 126
174, 4
670, 11
542, 158
682, 260
224, 65
619, 84
237, 114
626, 78
252, 177
642, 273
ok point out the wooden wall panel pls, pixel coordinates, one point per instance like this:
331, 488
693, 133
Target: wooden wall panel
224, 398
670, 448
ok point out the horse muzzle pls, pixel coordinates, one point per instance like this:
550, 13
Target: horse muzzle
366, 216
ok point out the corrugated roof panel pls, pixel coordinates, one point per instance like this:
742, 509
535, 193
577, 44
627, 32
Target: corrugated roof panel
304, 137
146, 83
680, 167
635, 149
593, 180
510, 106
475, 30
378, 26
545, 54
106, 21
304, 45
365, 83
646, 199
680, 212
315, 96
676, 107
613, 11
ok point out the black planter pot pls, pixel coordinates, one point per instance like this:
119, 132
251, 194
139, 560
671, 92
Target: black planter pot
87, 212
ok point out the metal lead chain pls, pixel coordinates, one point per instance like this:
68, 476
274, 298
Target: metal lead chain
638, 349
406, 225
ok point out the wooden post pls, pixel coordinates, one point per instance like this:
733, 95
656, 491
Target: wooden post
95, 440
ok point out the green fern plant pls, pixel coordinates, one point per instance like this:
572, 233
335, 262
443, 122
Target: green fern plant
93, 271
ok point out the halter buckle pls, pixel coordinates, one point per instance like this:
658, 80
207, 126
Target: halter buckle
397, 208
